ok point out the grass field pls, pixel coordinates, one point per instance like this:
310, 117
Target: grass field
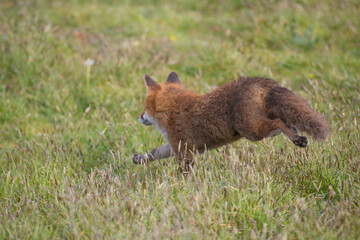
68, 131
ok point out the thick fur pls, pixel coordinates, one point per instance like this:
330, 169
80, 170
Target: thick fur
254, 108
295, 111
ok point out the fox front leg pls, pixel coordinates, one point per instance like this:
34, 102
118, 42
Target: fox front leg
185, 157
158, 153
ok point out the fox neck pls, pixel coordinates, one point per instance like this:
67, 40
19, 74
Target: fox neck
161, 129
154, 121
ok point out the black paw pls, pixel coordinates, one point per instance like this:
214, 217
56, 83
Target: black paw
138, 159
301, 141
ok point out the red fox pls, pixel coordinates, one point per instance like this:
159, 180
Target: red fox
251, 107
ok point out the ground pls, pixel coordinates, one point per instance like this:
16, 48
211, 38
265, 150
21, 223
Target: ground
71, 90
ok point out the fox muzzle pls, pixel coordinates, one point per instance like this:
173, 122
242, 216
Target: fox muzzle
144, 120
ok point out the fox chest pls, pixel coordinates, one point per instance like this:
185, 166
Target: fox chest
160, 124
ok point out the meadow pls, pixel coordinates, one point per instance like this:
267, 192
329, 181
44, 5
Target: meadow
71, 89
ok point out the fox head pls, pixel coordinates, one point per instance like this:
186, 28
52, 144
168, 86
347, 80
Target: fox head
156, 99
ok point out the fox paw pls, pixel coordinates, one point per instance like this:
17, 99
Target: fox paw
301, 141
139, 159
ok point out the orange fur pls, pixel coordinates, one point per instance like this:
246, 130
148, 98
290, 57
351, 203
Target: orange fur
254, 108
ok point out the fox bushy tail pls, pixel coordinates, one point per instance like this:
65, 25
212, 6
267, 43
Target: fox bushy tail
295, 111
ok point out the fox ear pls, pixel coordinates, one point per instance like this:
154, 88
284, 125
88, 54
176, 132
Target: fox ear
150, 83
173, 78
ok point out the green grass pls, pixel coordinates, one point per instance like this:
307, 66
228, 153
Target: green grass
67, 137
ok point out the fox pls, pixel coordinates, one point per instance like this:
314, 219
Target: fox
250, 107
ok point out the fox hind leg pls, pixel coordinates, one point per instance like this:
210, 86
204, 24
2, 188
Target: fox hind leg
267, 128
